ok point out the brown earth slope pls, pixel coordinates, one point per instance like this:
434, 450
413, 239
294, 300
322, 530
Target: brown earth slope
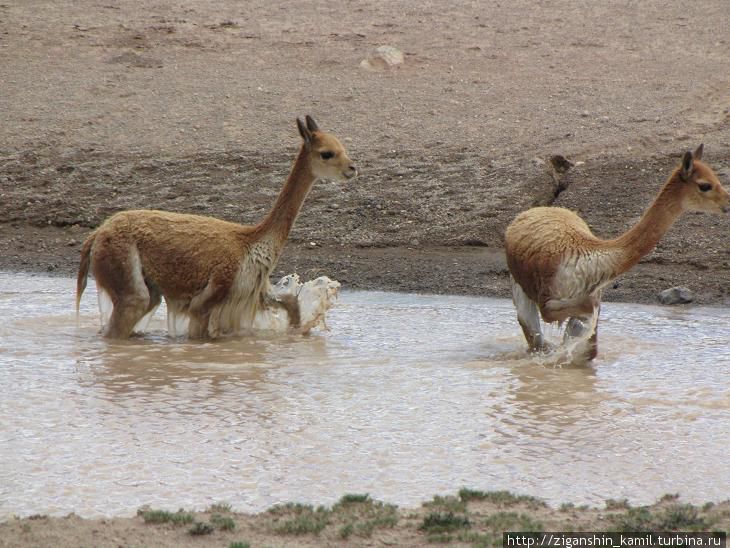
191, 107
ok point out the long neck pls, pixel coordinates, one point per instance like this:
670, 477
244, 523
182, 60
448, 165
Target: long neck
656, 221
280, 219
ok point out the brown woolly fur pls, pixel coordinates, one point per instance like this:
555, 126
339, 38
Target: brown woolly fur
212, 272
559, 267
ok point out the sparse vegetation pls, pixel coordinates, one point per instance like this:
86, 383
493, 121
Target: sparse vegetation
440, 522
502, 498
512, 521
675, 517
224, 523
473, 518
299, 519
622, 504
200, 528
362, 515
446, 504
354, 498
162, 516
220, 508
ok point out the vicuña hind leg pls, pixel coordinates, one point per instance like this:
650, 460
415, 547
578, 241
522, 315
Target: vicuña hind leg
529, 317
577, 327
121, 278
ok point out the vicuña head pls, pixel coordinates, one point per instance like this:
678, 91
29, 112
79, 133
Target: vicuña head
211, 272
559, 268
327, 156
702, 188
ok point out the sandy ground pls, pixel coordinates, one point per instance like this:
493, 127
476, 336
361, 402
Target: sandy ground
452, 520
190, 107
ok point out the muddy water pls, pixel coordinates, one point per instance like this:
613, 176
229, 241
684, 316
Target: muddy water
407, 396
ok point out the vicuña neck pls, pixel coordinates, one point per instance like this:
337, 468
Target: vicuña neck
280, 219
656, 221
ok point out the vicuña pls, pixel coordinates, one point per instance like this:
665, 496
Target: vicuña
559, 268
213, 272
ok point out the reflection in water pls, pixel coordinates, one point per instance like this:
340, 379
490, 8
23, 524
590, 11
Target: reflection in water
406, 397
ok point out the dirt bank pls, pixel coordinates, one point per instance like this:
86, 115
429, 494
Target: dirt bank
471, 518
191, 109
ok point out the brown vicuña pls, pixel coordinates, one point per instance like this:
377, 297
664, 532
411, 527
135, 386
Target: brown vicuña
214, 272
559, 268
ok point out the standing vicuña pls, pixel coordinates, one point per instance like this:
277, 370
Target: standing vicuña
212, 271
559, 268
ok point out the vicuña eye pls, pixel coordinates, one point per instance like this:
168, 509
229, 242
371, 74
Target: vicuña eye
704, 187
326, 155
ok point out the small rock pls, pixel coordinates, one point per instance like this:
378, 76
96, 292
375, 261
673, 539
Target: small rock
383, 58
676, 295
560, 163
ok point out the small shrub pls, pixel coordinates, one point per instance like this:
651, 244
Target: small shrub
446, 504
346, 531
354, 499
201, 528
504, 498
622, 504
633, 520
302, 519
220, 508
239, 545
680, 516
512, 521
223, 523
161, 516
439, 522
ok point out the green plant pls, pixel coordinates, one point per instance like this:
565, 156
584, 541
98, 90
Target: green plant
504, 498
633, 520
162, 516
239, 545
201, 528
439, 522
680, 516
512, 521
354, 498
446, 504
224, 523
219, 507
622, 504
300, 519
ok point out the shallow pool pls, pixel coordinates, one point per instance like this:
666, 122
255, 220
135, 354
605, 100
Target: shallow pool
405, 397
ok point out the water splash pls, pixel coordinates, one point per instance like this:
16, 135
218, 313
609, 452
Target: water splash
314, 298
569, 342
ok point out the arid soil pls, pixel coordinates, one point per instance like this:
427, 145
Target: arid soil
191, 106
472, 518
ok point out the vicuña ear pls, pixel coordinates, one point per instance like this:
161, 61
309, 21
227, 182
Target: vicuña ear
687, 164
698, 152
311, 124
304, 132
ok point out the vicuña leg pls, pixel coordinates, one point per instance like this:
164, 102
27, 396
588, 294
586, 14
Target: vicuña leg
121, 278
201, 306
529, 317
577, 327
